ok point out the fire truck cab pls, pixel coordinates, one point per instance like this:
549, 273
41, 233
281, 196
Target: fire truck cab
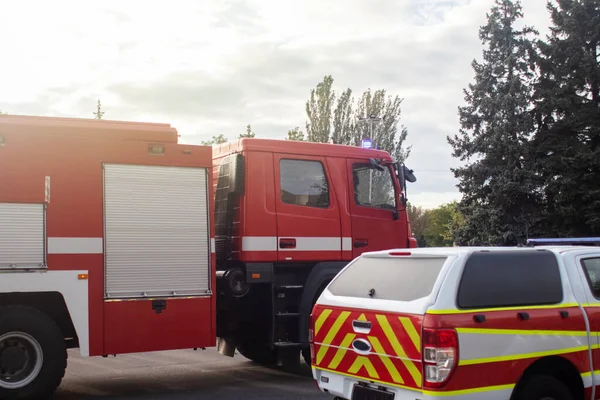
288, 217
105, 245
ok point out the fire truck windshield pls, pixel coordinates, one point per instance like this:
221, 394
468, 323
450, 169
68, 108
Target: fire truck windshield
373, 187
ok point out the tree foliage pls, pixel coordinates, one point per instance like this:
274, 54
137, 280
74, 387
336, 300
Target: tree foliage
295, 134
339, 121
248, 133
217, 139
99, 112
318, 110
500, 202
567, 110
435, 227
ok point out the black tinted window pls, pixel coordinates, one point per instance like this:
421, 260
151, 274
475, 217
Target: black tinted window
303, 183
505, 279
373, 188
591, 266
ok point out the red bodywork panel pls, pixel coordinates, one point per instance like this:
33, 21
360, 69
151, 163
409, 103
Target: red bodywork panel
509, 372
263, 220
71, 152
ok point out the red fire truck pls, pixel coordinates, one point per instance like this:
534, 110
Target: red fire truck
115, 238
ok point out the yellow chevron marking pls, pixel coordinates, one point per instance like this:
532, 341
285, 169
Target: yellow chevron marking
331, 335
519, 332
389, 333
321, 320
389, 365
362, 317
341, 351
361, 362
412, 332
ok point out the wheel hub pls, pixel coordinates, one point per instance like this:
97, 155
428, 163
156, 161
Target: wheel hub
21, 360
13, 357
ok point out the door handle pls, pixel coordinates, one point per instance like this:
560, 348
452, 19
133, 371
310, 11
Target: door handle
361, 243
287, 243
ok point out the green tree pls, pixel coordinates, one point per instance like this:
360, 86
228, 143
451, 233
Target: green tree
567, 110
500, 201
417, 217
248, 133
441, 223
318, 110
99, 113
295, 134
215, 140
345, 125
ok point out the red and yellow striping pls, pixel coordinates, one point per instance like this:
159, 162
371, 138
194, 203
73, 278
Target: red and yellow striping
395, 356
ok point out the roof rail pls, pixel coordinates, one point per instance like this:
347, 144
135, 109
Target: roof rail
593, 241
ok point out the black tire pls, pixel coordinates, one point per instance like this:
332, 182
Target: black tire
258, 353
31, 328
543, 387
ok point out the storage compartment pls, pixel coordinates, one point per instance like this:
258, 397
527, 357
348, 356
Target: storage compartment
157, 235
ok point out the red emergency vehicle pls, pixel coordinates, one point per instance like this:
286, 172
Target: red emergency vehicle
115, 238
288, 217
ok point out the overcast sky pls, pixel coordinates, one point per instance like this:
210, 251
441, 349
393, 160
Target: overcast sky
210, 67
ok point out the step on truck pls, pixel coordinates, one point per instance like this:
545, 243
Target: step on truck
116, 238
462, 323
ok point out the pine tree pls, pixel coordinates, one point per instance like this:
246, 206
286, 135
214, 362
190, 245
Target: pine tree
99, 113
248, 133
567, 109
500, 200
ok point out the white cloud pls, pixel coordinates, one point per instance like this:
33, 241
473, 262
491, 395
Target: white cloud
211, 66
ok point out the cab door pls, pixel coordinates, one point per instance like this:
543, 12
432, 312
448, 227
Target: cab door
376, 224
588, 266
308, 216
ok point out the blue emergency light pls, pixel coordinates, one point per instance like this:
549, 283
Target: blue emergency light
367, 143
593, 241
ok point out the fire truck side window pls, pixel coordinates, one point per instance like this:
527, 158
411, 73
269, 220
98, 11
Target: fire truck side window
591, 267
373, 188
304, 183
510, 279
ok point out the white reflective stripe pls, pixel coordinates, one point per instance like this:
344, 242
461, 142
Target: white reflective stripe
213, 246
316, 244
72, 245
270, 243
259, 243
347, 244
485, 348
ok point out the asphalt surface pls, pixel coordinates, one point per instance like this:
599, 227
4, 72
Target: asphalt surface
182, 375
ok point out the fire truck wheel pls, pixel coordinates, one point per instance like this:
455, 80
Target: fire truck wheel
544, 387
258, 353
33, 355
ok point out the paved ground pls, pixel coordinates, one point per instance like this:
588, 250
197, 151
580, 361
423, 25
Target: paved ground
182, 375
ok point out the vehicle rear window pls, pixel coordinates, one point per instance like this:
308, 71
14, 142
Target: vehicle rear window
399, 279
510, 279
591, 267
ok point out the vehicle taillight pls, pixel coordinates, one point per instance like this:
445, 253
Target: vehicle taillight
440, 356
